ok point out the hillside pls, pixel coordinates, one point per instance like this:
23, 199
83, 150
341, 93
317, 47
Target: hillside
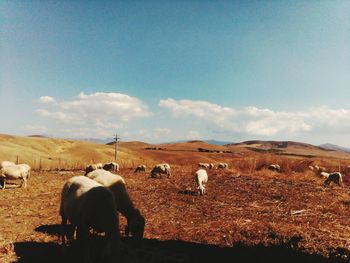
49, 153
288, 148
56, 153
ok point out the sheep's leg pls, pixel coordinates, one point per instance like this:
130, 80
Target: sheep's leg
63, 230
4, 184
24, 182
82, 234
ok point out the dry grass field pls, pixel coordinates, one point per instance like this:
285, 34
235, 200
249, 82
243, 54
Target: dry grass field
248, 214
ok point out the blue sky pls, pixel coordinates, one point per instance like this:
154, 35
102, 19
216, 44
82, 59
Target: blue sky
167, 70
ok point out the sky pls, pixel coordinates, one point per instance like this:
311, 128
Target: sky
159, 71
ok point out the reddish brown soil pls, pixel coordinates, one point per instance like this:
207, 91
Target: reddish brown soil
242, 218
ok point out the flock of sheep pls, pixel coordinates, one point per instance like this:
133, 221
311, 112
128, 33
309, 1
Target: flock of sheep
335, 177
93, 200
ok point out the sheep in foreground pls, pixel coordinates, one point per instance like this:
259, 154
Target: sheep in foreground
222, 166
86, 203
336, 178
160, 169
6, 163
201, 178
112, 166
116, 183
15, 172
274, 167
140, 168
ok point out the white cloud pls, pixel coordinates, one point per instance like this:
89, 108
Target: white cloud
47, 100
193, 135
94, 114
160, 132
36, 129
252, 121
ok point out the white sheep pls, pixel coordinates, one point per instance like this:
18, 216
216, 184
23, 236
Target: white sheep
160, 169
324, 175
201, 178
116, 183
15, 172
99, 165
211, 166
112, 166
335, 177
274, 167
90, 167
222, 166
140, 168
86, 203
203, 165
6, 163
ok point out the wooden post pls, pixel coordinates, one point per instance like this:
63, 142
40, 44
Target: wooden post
116, 147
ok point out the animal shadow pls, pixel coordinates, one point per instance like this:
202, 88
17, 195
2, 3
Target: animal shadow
187, 192
173, 251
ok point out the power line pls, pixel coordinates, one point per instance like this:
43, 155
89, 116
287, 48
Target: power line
116, 138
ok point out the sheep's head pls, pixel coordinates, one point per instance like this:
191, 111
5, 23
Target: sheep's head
201, 190
136, 225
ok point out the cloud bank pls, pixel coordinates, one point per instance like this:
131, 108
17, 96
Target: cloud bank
255, 122
97, 113
101, 114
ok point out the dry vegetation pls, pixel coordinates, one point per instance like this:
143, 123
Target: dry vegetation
248, 213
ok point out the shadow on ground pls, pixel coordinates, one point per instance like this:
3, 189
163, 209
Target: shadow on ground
152, 250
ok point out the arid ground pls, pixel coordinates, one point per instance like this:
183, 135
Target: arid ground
242, 217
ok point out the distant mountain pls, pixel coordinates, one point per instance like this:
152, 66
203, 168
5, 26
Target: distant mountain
218, 142
214, 142
95, 140
38, 136
334, 147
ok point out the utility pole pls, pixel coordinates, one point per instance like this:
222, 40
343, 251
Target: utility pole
116, 147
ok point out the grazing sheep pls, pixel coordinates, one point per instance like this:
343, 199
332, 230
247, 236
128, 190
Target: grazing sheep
140, 168
311, 168
201, 178
89, 168
15, 172
86, 203
116, 183
274, 167
203, 165
99, 165
112, 166
211, 166
324, 175
336, 178
26, 168
222, 166
161, 169
6, 163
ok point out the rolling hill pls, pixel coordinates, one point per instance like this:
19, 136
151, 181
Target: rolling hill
46, 152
